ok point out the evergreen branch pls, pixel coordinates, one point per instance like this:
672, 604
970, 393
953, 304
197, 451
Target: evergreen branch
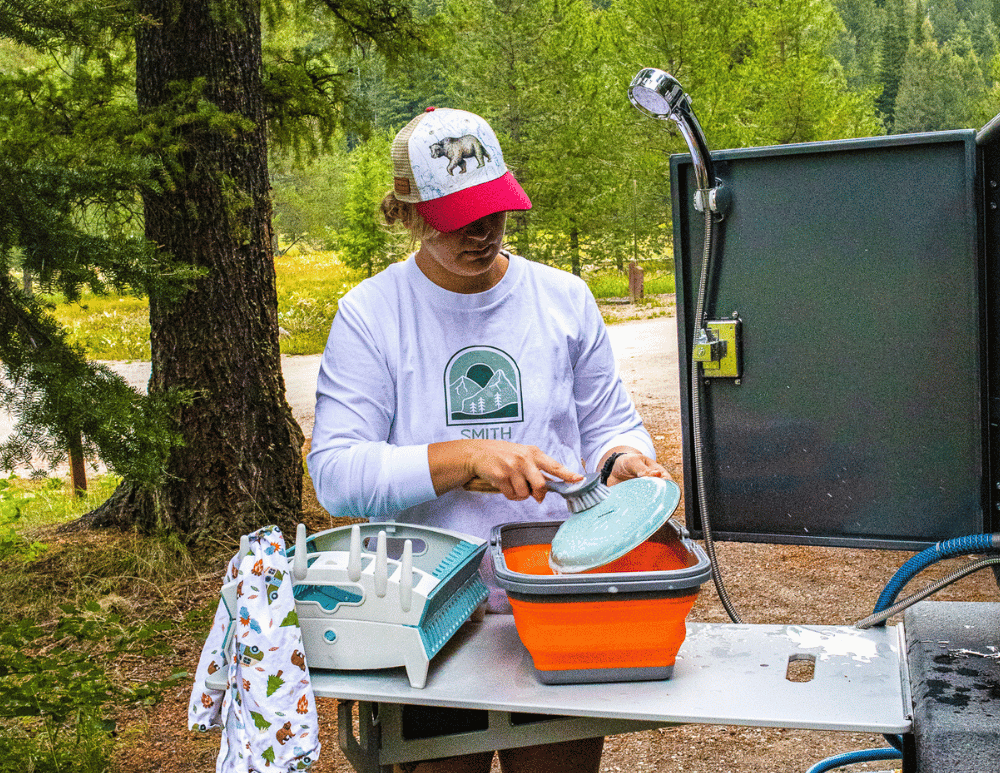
57, 396
386, 23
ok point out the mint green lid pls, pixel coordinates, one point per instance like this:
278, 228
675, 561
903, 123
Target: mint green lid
630, 514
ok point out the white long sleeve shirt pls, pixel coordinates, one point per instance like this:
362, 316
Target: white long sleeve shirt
409, 363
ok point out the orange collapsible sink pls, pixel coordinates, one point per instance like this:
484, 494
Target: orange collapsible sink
620, 622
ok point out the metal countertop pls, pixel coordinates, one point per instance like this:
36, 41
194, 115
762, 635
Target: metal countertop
724, 674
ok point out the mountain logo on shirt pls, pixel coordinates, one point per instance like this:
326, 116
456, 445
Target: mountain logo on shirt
482, 386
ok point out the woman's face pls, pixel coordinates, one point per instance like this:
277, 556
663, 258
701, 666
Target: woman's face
465, 261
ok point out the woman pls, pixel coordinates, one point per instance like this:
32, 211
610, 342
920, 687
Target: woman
468, 369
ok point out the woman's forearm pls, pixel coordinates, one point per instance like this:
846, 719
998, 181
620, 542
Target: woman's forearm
517, 471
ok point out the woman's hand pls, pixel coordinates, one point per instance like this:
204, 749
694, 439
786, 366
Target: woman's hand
633, 464
516, 471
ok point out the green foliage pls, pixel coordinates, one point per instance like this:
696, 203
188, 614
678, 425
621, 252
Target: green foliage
131, 575
70, 178
308, 195
551, 77
894, 47
797, 91
27, 503
107, 327
12, 544
926, 60
60, 690
987, 105
70, 168
42, 500
363, 242
314, 49
78, 162
309, 286
545, 76
857, 46
68, 671
940, 87
57, 398
614, 284
57, 698
305, 324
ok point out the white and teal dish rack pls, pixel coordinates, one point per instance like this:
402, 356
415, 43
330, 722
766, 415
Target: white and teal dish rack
383, 595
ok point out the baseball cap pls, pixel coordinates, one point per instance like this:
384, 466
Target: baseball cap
449, 164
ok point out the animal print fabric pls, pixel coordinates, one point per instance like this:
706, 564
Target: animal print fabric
268, 711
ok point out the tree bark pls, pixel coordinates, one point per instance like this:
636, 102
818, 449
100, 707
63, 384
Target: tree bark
77, 466
240, 464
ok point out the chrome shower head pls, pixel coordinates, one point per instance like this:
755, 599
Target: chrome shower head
660, 95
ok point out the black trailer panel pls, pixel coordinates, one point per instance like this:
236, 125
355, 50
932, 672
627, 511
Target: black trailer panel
858, 271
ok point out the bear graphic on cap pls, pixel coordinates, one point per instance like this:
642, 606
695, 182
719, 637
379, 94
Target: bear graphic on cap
457, 149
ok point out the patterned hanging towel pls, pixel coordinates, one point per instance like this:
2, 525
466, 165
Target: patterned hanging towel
267, 711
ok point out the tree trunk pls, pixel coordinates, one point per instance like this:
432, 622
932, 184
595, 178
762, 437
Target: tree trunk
574, 249
77, 466
240, 464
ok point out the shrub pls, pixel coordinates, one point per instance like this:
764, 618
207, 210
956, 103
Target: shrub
57, 700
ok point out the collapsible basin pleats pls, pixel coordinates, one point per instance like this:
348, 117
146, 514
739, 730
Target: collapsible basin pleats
624, 621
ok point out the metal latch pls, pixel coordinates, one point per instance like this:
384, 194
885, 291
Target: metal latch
717, 348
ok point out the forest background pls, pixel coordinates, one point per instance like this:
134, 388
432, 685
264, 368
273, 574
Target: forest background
551, 76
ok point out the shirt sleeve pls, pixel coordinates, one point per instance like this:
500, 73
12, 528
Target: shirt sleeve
355, 470
605, 411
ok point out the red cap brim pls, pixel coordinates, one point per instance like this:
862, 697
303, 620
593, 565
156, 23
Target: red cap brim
456, 210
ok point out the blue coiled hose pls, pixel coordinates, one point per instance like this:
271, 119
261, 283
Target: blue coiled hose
852, 758
959, 546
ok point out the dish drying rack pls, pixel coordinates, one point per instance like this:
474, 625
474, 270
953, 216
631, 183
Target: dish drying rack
380, 595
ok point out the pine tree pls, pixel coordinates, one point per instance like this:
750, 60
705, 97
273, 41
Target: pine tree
215, 437
920, 102
198, 81
857, 47
70, 167
895, 42
363, 241
307, 194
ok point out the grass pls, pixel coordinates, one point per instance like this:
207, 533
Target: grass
94, 626
309, 283
309, 287
645, 308
92, 565
112, 327
658, 279
28, 504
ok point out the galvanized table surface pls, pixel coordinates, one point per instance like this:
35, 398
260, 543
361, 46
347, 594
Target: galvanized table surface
724, 674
